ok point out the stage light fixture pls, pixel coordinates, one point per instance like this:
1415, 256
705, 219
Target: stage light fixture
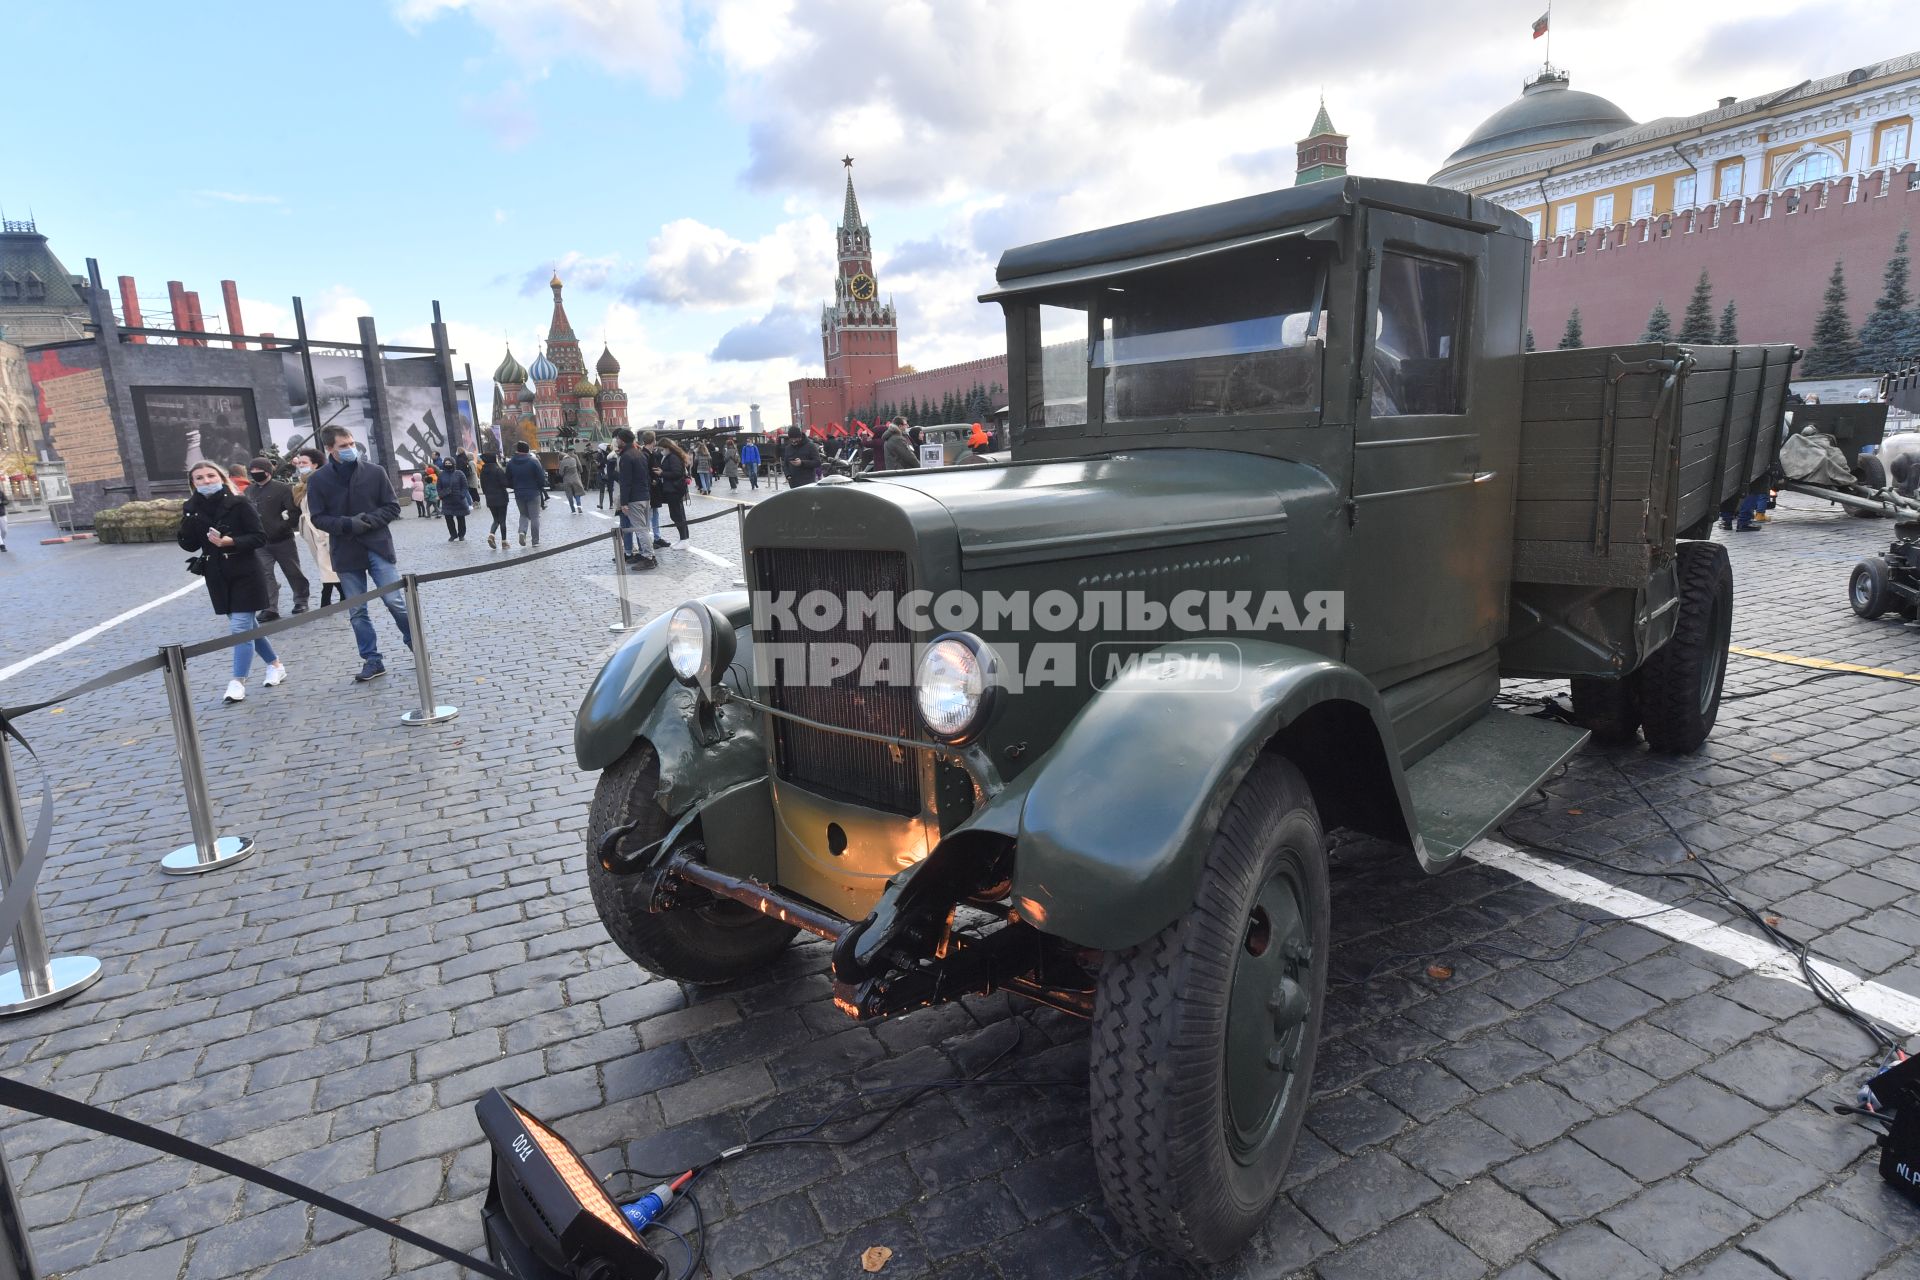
546, 1215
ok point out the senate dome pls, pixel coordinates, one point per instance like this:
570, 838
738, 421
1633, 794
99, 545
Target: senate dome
1547, 116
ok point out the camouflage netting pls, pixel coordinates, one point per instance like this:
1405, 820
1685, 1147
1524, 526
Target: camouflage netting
154, 521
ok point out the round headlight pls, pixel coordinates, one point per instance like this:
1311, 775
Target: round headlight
953, 686
687, 643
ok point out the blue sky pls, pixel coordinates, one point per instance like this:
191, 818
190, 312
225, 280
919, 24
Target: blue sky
679, 158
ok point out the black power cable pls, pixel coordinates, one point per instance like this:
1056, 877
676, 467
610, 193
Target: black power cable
1710, 880
810, 1135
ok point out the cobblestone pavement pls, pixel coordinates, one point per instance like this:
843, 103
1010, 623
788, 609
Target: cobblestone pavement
1579, 1098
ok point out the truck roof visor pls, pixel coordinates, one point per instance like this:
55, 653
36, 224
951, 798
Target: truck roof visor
1326, 229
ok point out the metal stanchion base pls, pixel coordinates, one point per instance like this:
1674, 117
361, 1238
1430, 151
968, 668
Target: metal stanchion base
434, 716
71, 975
620, 628
186, 860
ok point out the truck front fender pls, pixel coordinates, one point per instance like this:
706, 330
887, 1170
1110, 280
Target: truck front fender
1114, 820
636, 696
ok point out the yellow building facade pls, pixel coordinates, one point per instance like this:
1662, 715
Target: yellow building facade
1572, 162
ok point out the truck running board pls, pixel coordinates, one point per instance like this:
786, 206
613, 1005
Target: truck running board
1468, 786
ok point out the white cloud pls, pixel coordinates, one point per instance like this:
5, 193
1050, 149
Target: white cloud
644, 38
982, 124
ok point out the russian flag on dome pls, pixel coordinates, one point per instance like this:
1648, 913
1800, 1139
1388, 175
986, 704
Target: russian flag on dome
1540, 24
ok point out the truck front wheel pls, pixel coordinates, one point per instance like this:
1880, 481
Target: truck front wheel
1204, 1035
709, 943
1680, 683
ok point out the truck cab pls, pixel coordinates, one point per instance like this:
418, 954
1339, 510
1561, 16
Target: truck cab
1076, 725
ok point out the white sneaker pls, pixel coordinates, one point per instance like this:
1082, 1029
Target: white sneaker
276, 674
236, 691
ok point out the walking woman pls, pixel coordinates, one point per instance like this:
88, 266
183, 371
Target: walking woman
730, 466
670, 485
224, 530
703, 467
455, 502
319, 544
493, 487
570, 480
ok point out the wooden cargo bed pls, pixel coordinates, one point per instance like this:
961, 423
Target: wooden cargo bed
1622, 448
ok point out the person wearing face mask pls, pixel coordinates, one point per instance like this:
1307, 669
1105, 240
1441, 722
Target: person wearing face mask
305, 463
223, 529
352, 500
279, 521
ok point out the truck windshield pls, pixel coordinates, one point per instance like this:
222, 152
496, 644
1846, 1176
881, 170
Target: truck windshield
1236, 333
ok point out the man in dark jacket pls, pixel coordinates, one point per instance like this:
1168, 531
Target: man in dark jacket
279, 521
351, 501
633, 487
801, 458
528, 480
899, 449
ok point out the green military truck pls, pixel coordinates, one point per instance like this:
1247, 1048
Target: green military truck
1287, 501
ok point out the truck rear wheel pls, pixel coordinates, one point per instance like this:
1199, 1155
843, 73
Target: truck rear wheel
709, 943
1870, 589
1204, 1036
1680, 684
1610, 708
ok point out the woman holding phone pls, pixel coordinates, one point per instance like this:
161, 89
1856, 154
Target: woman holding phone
224, 530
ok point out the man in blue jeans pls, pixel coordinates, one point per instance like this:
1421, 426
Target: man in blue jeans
352, 501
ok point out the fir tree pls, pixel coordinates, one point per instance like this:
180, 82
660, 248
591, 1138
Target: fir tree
1835, 349
1529, 345
1892, 332
1697, 324
1729, 334
1659, 324
1573, 337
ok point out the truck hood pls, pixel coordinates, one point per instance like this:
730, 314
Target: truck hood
1021, 513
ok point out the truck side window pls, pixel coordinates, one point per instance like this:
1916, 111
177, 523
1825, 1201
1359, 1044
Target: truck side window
1063, 368
1417, 335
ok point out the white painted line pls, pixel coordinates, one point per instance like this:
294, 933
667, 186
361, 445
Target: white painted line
91, 632
602, 515
708, 555
1883, 1004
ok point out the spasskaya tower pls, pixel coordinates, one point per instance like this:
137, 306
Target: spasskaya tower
859, 335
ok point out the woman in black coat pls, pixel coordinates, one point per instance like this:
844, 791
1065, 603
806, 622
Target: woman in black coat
455, 501
493, 486
225, 530
670, 486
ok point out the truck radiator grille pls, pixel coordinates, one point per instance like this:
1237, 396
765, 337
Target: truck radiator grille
871, 773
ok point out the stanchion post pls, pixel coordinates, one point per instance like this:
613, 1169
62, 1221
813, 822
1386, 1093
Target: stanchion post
740, 514
36, 980
429, 711
620, 584
207, 850
16, 1250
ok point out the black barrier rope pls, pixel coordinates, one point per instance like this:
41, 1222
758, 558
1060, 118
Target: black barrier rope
41, 1102
524, 557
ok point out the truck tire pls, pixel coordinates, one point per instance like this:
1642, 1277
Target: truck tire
1680, 684
1609, 708
1870, 589
711, 943
1872, 473
1204, 1036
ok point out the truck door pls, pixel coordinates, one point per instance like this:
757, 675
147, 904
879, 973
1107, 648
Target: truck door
1427, 574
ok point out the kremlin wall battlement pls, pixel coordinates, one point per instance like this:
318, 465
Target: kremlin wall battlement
1770, 254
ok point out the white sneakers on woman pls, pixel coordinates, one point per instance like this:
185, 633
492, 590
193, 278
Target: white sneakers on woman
237, 689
